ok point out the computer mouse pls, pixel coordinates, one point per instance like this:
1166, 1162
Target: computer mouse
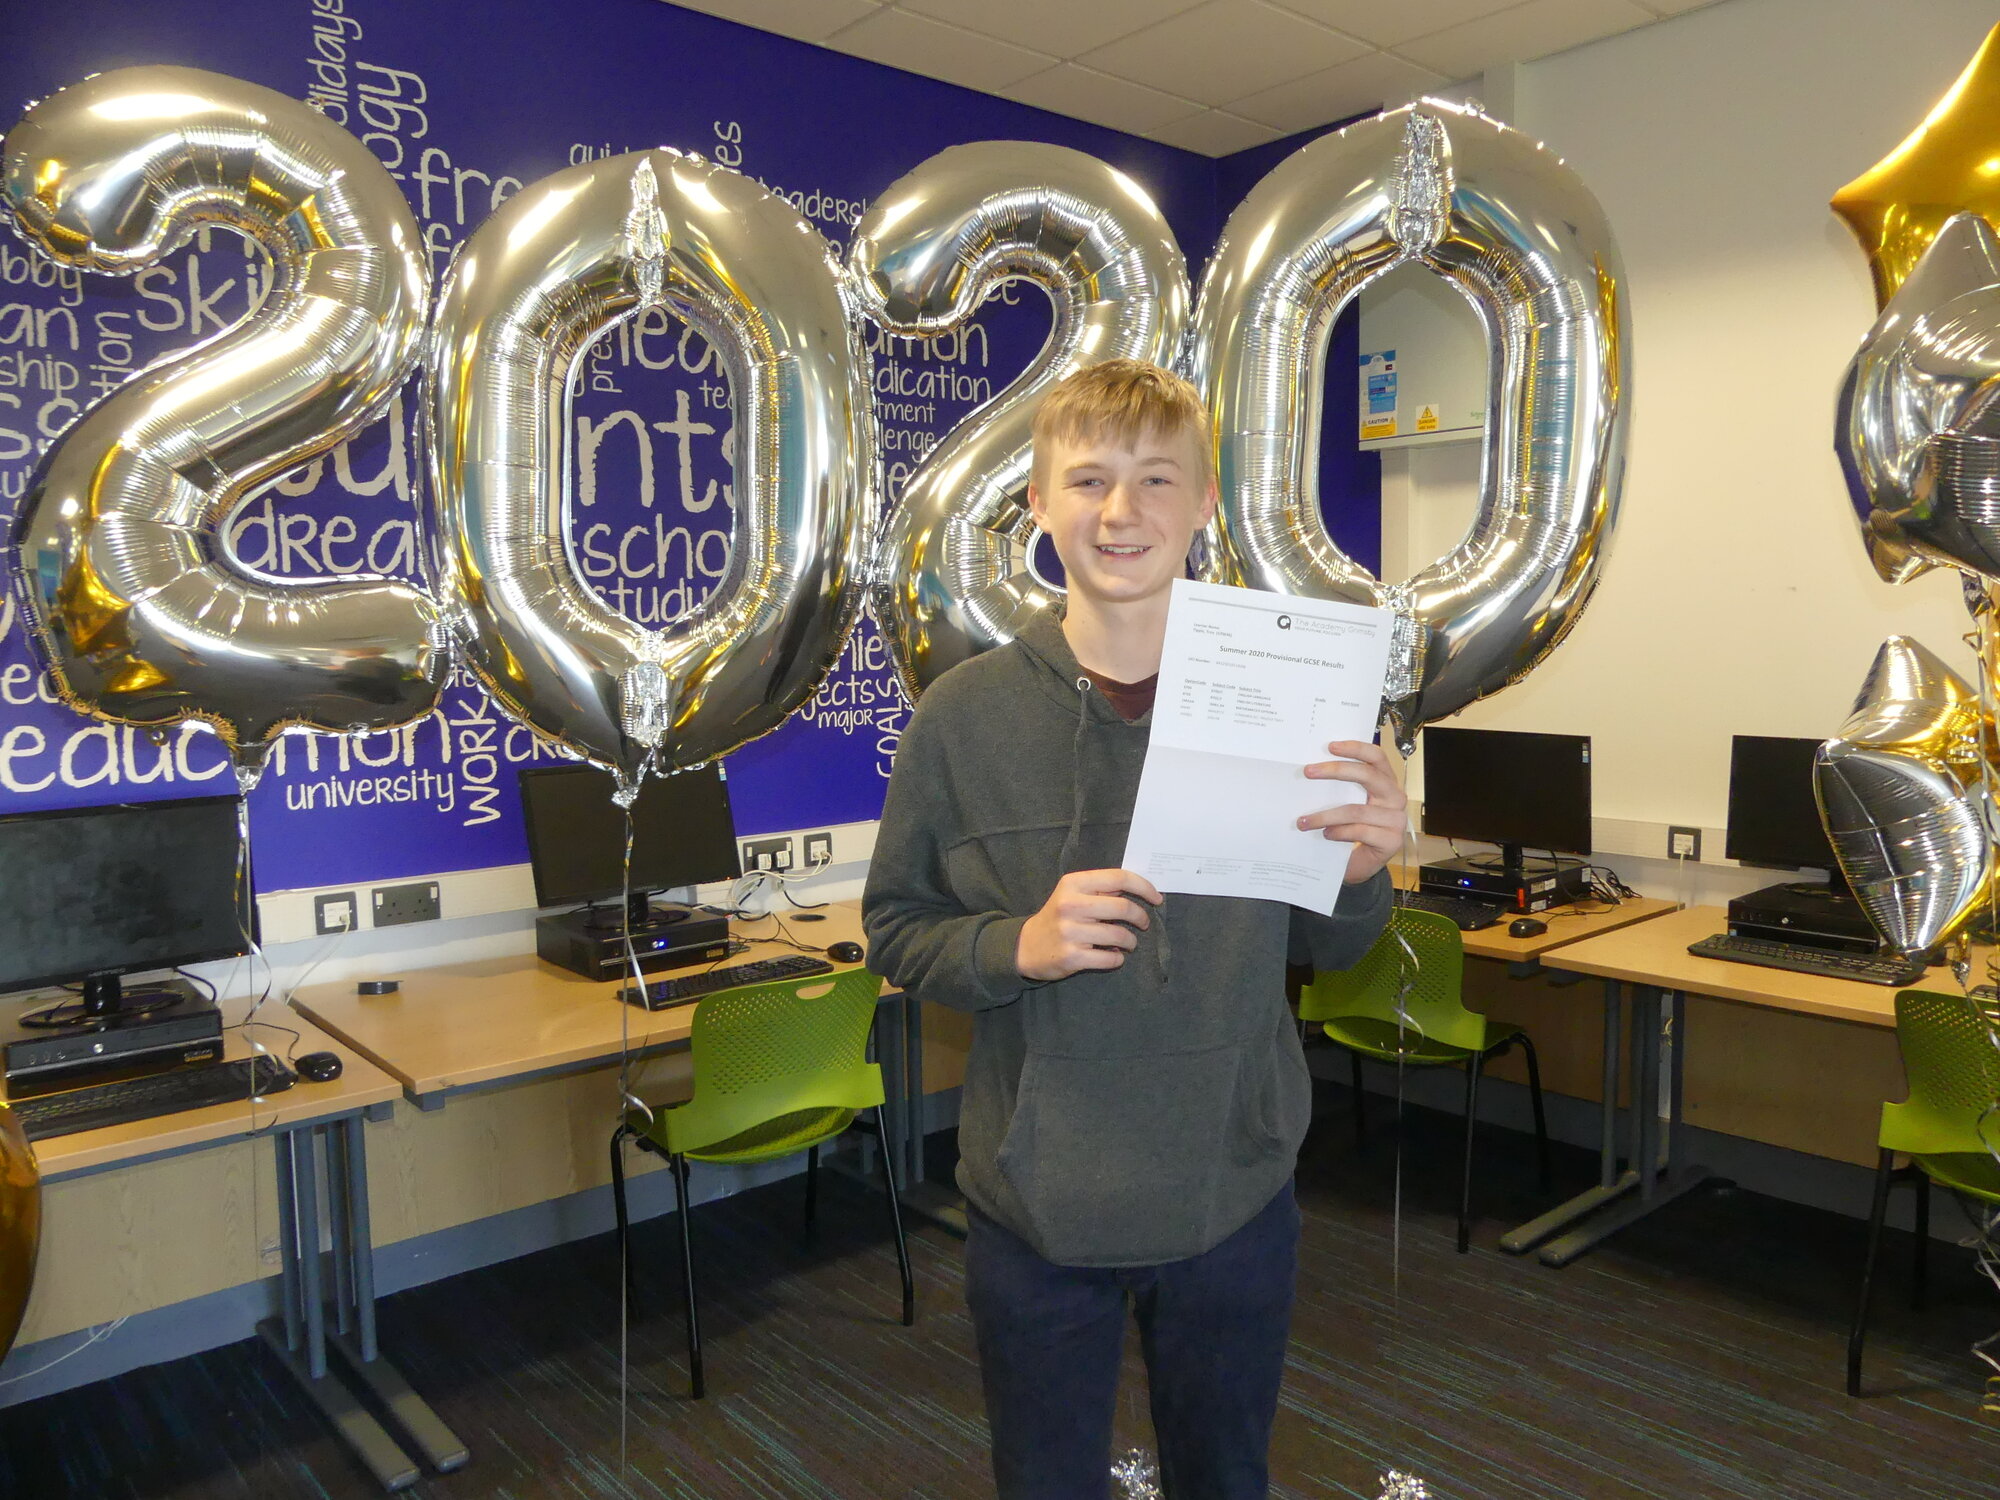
320, 1067
846, 953
1527, 927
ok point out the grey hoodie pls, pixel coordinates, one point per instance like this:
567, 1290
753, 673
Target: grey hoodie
1119, 1117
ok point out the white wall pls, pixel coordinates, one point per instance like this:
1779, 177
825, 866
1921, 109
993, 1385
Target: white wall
1738, 599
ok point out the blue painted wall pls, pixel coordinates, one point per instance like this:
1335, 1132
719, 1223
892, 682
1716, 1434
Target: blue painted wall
464, 102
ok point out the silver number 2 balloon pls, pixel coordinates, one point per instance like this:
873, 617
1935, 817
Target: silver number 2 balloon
142, 615
539, 281
1517, 233
951, 579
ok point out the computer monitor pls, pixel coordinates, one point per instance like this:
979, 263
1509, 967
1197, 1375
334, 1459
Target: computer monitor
95, 893
681, 835
1774, 816
1503, 787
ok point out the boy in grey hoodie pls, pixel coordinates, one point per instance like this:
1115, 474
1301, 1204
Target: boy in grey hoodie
1136, 1094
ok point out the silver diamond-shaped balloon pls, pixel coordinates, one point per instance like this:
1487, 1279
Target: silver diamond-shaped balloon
1903, 791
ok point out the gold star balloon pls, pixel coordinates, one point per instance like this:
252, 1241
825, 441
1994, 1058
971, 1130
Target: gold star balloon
1950, 164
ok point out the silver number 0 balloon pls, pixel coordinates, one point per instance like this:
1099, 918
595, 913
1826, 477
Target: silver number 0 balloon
951, 579
142, 615
539, 281
1516, 232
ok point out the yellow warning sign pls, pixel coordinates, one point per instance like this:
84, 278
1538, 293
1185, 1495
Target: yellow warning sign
1427, 419
1378, 427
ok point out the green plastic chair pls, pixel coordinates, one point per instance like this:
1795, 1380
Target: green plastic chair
1953, 1067
778, 1069
1358, 1010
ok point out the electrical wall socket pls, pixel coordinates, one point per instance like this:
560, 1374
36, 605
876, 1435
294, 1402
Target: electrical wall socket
1684, 843
335, 911
767, 854
398, 904
818, 850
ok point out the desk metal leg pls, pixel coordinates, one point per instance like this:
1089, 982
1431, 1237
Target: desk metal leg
288, 1241
1611, 1184
1614, 1043
302, 1339
304, 1321
937, 1201
1657, 1187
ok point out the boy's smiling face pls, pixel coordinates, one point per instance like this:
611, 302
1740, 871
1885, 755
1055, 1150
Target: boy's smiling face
1121, 517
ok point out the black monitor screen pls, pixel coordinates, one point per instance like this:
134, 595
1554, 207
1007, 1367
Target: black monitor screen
1773, 815
1500, 787
681, 833
117, 890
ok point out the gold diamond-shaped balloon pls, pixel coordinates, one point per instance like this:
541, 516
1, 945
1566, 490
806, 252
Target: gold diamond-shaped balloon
1950, 164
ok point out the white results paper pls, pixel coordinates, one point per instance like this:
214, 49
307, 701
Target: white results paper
1252, 688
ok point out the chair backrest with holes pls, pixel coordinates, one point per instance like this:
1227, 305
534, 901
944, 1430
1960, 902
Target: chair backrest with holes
775, 1049
1951, 1055
1433, 1004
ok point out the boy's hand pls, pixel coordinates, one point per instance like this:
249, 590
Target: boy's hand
1374, 827
1083, 924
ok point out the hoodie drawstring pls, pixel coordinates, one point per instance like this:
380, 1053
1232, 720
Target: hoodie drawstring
1162, 948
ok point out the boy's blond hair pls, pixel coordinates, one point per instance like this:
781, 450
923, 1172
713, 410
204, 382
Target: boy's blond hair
1124, 400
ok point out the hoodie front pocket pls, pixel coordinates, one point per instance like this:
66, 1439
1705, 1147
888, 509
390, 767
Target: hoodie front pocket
1116, 1159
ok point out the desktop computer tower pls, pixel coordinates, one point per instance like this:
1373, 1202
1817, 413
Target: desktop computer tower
1816, 916
85, 1049
676, 938
1538, 888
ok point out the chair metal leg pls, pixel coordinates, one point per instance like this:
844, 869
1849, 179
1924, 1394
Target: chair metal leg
1541, 1119
1473, 1065
631, 1274
896, 1222
1360, 1101
812, 1184
680, 1170
1920, 1273
1885, 1168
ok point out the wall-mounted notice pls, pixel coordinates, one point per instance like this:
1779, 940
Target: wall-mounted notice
1378, 394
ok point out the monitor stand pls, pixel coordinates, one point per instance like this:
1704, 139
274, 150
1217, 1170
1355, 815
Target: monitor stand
106, 1004
638, 913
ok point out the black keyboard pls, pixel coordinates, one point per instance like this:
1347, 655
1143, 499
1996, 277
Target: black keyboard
195, 1086
681, 988
1867, 968
1470, 915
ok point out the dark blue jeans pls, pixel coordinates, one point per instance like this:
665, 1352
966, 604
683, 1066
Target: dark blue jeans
1213, 1329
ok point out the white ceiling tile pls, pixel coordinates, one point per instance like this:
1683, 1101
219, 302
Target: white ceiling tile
936, 50
1098, 97
808, 20
1062, 27
1385, 25
1224, 50
1377, 81
1526, 32
1214, 133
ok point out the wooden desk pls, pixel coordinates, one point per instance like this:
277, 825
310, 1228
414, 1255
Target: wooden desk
305, 1122
1652, 960
360, 1087
1567, 925
506, 1020
1658, 956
